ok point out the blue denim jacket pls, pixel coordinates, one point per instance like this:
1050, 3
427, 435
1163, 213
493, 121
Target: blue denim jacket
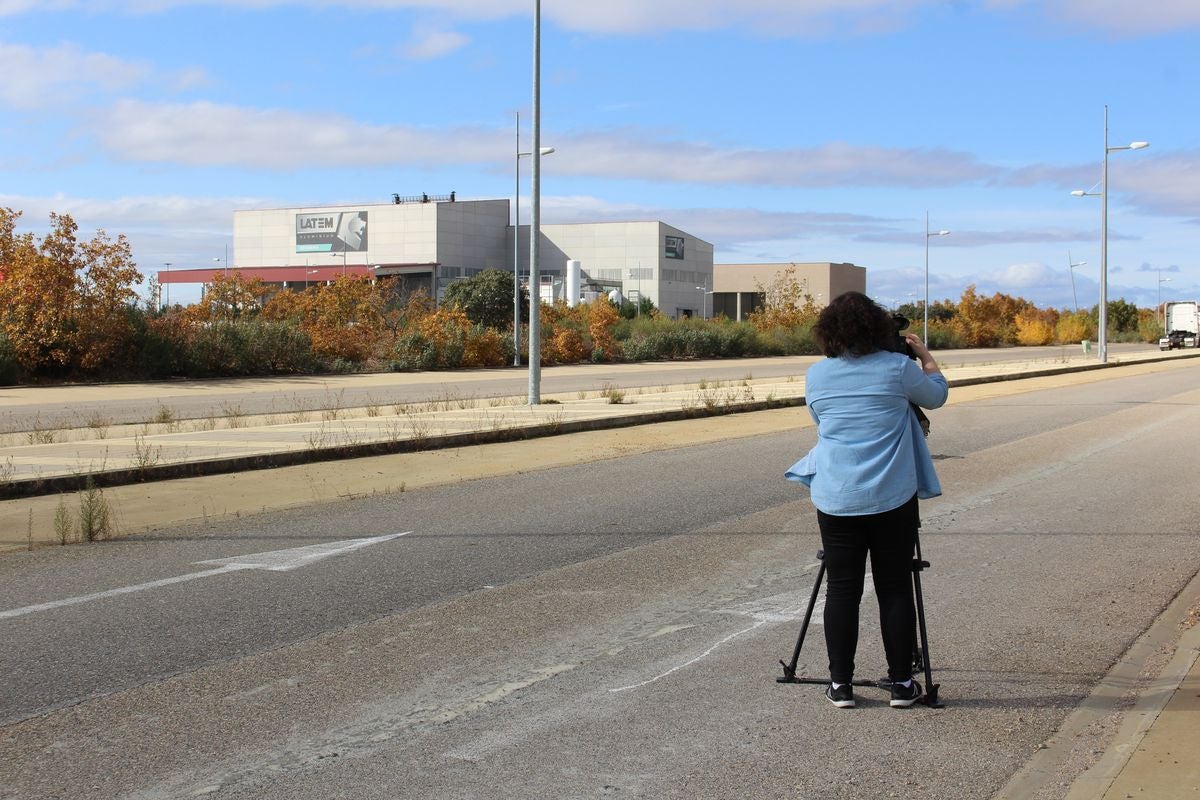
870, 455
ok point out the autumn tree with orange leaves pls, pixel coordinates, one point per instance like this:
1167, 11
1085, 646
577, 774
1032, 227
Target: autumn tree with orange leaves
64, 304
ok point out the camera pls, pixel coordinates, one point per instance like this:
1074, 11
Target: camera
899, 343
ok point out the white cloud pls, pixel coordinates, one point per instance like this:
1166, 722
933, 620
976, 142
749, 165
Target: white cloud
632, 155
1167, 184
207, 134
810, 18
729, 226
204, 133
175, 213
1119, 17
430, 43
41, 77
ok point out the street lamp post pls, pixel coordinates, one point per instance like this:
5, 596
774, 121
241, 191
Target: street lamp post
1102, 334
517, 246
704, 293
1071, 265
1161, 309
535, 215
928, 234
306, 274
167, 264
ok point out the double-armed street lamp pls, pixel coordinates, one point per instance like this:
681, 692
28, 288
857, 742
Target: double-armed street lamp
1071, 265
1102, 334
928, 234
545, 151
535, 217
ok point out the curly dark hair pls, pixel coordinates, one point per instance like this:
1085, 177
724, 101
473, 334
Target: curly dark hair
854, 323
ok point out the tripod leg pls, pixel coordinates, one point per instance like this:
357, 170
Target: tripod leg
789, 670
931, 688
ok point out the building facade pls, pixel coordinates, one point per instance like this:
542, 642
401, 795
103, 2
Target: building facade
428, 242
738, 287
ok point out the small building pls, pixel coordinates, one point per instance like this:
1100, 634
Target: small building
737, 288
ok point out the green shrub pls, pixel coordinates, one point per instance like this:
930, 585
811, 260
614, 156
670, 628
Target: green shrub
414, 350
942, 338
248, 347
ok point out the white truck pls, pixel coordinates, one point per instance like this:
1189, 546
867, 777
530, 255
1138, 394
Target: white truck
1182, 325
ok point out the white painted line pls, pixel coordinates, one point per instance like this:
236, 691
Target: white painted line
689, 663
275, 561
762, 611
295, 557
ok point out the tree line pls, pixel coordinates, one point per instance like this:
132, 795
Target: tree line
70, 310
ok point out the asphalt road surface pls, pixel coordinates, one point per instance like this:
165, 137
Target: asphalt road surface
611, 629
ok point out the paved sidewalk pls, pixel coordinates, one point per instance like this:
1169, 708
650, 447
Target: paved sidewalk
1155, 754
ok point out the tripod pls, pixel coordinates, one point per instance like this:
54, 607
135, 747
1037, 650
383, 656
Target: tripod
920, 650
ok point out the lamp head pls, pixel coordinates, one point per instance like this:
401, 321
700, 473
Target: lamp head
1078, 193
546, 150
1139, 145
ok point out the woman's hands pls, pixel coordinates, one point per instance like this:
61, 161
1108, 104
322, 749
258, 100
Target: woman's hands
922, 353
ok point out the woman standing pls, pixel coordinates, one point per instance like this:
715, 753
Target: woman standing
866, 473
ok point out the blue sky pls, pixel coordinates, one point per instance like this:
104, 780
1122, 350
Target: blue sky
778, 130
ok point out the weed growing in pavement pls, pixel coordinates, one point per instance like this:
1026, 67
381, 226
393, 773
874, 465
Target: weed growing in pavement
419, 429
39, 434
95, 515
206, 424
145, 455
556, 420
7, 470
164, 416
64, 526
613, 394
581, 396
317, 439
98, 423
233, 414
373, 407
393, 430
335, 405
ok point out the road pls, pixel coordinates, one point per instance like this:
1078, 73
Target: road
30, 408
610, 629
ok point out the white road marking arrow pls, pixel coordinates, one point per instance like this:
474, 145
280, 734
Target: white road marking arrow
274, 560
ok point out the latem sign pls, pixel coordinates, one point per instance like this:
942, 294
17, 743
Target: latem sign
331, 232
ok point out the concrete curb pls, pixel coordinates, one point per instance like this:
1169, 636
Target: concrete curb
1112, 696
37, 487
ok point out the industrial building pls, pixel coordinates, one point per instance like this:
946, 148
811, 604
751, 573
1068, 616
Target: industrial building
427, 242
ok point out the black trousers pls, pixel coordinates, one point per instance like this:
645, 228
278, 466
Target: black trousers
888, 538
